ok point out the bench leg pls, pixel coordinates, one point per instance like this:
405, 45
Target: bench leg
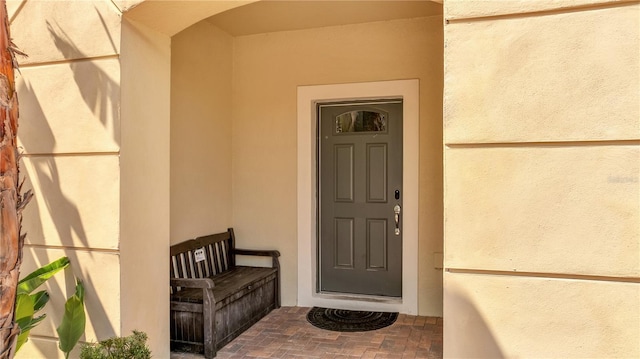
276, 264
277, 287
209, 321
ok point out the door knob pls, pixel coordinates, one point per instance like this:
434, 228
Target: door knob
396, 216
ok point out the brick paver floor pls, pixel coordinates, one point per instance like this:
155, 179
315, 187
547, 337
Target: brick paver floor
285, 333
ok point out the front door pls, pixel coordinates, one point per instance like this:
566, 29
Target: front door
360, 198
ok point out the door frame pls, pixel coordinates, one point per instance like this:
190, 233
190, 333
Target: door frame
308, 97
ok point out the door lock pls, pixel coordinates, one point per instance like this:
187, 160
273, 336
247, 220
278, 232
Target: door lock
396, 216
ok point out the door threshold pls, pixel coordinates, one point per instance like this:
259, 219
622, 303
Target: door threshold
360, 297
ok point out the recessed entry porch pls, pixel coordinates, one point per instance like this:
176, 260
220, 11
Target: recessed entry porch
242, 132
234, 123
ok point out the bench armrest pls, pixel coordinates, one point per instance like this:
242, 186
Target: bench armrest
204, 283
275, 263
254, 252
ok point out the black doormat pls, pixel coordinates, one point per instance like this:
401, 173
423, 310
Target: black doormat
340, 320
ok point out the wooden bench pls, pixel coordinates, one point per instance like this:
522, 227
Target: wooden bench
213, 300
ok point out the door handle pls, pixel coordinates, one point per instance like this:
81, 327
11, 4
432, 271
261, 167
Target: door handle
396, 216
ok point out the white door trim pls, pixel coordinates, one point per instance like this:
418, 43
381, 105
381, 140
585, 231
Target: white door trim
308, 96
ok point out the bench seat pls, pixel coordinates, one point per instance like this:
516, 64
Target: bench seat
229, 286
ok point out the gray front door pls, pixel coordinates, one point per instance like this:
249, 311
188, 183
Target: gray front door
360, 191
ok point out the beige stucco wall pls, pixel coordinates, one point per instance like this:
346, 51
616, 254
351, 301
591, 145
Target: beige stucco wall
542, 188
201, 120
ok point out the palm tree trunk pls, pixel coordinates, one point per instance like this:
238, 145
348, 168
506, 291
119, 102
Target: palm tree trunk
11, 201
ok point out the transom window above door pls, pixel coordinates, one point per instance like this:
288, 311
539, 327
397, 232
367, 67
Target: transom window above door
361, 121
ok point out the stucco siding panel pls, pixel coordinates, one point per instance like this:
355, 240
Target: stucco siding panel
70, 108
50, 31
100, 274
544, 209
558, 77
76, 202
518, 317
461, 9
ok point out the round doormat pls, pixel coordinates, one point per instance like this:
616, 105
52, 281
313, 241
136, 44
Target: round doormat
340, 320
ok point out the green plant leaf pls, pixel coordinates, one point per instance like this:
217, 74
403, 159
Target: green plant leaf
34, 322
24, 315
24, 306
73, 321
35, 279
40, 299
25, 329
22, 338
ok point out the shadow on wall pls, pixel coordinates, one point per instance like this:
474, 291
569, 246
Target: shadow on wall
65, 216
466, 334
97, 90
64, 213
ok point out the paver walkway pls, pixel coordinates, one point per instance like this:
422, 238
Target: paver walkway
285, 333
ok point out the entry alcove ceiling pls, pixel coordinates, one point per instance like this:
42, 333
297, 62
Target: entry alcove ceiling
278, 15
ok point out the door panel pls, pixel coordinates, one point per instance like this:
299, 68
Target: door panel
344, 173
377, 172
376, 244
344, 243
360, 170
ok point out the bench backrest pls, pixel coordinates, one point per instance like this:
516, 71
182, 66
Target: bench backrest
218, 256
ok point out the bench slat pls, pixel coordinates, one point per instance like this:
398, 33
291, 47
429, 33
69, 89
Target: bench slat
186, 307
